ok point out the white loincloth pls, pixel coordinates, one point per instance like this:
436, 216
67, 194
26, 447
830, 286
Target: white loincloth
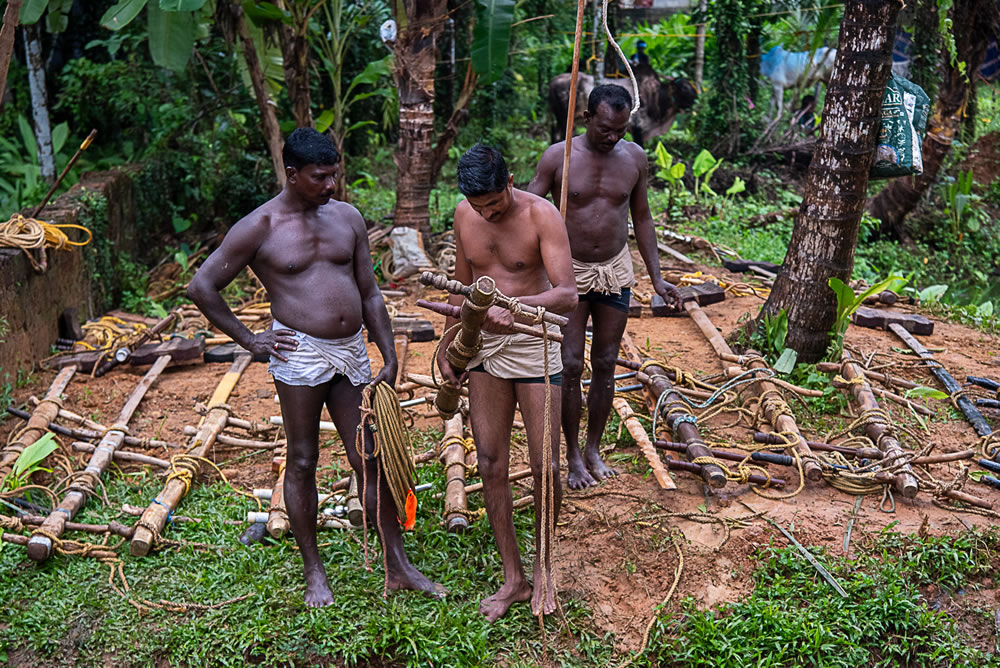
513, 356
317, 360
608, 277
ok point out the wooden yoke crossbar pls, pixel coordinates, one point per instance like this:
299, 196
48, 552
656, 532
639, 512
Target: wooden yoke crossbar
509, 303
84, 483
149, 526
782, 420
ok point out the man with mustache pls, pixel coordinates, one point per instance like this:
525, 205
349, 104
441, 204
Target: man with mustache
607, 180
311, 253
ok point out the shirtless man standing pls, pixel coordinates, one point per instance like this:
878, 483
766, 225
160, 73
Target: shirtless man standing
519, 241
607, 180
312, 255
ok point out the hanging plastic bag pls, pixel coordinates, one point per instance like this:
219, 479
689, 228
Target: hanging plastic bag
905, 109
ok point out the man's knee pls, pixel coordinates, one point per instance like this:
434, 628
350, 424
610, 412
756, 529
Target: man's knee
572, 367
603, 362
302, 463
491, 467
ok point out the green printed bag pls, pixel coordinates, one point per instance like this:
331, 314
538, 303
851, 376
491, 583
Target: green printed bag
905, 109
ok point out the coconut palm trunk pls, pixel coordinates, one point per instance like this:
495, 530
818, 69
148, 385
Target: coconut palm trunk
826, 228
420, 22
973, 21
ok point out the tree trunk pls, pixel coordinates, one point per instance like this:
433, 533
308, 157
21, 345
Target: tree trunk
39, 103
826, 229
295, 59
699, 46
419, 24
972, 20
7, 42
269, 120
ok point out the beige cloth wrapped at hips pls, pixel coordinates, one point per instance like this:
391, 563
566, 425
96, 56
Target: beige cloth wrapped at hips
608, 277
513, 356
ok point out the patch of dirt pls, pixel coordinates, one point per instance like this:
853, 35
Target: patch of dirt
621, 567
984, 159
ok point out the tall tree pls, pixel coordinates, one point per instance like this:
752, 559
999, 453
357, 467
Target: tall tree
419, 24
826, 228
7, 41
292, 36
973, 23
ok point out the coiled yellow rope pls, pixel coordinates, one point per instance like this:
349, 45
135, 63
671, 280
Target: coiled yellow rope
28, 233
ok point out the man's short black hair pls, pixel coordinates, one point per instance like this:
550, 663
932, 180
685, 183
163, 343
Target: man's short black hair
612, 95
481, 171
306, 146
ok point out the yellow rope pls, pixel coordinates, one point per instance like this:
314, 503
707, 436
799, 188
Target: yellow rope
29, 233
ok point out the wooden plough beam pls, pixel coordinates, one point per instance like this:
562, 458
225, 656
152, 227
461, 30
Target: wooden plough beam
154, 518
782, 421
43, 415
656, 386
456, 462
42, 540
877, 429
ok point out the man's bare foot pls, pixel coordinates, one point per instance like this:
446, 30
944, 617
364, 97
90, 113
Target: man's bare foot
408, 577
318, 594
598, 469
494, 607
543, 599
578, 477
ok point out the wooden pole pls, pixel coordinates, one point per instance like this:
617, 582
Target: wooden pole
402, 345
510, 303
95, 431
481, 296
782, 420
513, 477
277, 515
571, 111
112, 527
891, 381
155, 517
41, 543
892, 396
969, 409
877, 429
453, 459
124, 456
224, 439
427, 381
446, 309
658, 385
44, 414
855, 453
641, 438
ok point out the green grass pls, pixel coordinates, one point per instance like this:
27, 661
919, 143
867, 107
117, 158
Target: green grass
794, 618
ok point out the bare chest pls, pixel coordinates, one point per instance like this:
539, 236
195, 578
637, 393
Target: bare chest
489, 250
291, 249
607, 181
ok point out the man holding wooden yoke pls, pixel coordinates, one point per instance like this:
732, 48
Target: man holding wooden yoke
518, 240
311, 254
607, 180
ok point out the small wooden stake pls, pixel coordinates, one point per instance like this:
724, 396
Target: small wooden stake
277, 515
641, 438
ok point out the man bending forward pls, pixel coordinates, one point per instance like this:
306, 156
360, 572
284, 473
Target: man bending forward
519, 241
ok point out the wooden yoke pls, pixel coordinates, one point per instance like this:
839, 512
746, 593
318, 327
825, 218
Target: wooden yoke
782, 420
478, 300
84, 483
877, 428
45, 413
657, 384
509, 303
453, 458
154, 518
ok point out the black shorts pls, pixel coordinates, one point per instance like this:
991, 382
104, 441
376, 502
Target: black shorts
554, 379
620, 302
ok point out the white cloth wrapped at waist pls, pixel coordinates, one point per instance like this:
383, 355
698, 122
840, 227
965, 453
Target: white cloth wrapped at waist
317, 360
517, 355
608, 277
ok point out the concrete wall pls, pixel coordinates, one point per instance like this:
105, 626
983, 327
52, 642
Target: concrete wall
31, 303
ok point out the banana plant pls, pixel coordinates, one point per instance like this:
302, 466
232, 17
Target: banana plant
172, 27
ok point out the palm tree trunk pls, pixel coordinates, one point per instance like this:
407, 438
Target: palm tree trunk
39, 103
972, 20
826, 229
419, 24
10, 17
295, 56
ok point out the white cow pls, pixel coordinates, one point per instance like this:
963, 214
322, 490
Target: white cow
791, 69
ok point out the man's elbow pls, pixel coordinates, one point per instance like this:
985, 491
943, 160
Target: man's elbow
568, 299
195, 291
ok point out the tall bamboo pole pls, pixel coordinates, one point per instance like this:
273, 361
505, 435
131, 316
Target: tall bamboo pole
154, 519
38, 424
42, 539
